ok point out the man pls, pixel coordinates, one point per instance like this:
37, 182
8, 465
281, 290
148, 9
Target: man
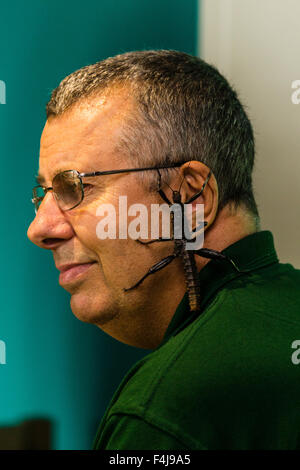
221, 376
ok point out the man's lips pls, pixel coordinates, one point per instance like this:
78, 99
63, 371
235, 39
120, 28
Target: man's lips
68, 272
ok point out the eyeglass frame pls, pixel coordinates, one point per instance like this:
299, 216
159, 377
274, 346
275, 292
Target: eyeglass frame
35, 199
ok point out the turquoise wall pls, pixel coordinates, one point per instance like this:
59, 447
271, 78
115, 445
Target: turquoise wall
56, 366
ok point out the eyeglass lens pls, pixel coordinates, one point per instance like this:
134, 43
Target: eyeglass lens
67, 189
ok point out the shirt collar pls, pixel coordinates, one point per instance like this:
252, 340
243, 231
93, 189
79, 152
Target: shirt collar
249, 253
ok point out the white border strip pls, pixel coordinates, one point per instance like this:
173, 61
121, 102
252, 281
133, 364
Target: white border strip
215, 33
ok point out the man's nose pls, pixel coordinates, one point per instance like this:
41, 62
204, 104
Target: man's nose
50, 226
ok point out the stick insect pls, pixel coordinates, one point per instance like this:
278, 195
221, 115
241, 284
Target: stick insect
187, 256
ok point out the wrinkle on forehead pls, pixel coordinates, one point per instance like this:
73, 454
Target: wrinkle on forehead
90, 124
88, 114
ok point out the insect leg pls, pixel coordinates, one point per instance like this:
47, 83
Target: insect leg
201, 225
156, 267
160, 239
217, 255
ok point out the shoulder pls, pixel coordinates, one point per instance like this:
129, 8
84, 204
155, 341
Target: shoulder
272, 290
231, 365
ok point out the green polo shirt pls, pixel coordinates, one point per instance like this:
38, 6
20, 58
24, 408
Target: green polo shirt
227, 378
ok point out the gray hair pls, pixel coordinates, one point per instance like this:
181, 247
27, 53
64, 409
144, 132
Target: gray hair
186, 110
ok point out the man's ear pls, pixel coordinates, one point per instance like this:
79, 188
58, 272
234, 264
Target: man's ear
194, 175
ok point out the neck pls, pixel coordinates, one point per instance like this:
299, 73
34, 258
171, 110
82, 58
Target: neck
228, 228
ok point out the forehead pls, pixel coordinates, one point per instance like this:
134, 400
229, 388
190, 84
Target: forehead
85, 137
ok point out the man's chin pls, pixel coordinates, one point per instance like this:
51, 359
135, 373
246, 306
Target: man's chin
91, 310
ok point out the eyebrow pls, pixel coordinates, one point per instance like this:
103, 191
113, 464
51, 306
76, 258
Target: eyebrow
40, 179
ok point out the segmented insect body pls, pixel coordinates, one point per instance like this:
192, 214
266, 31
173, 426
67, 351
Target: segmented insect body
188, 260
191, 275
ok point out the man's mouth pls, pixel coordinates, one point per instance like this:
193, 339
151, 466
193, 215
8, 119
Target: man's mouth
71, 272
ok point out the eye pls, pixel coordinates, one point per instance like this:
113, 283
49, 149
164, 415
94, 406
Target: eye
87, 185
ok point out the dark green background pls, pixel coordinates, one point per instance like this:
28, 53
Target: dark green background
58, 367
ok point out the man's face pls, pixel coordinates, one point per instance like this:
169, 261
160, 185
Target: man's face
84, 139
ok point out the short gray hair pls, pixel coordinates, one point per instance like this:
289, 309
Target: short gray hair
186, 110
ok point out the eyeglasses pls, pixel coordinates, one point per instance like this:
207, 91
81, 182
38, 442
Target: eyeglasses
68, 188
